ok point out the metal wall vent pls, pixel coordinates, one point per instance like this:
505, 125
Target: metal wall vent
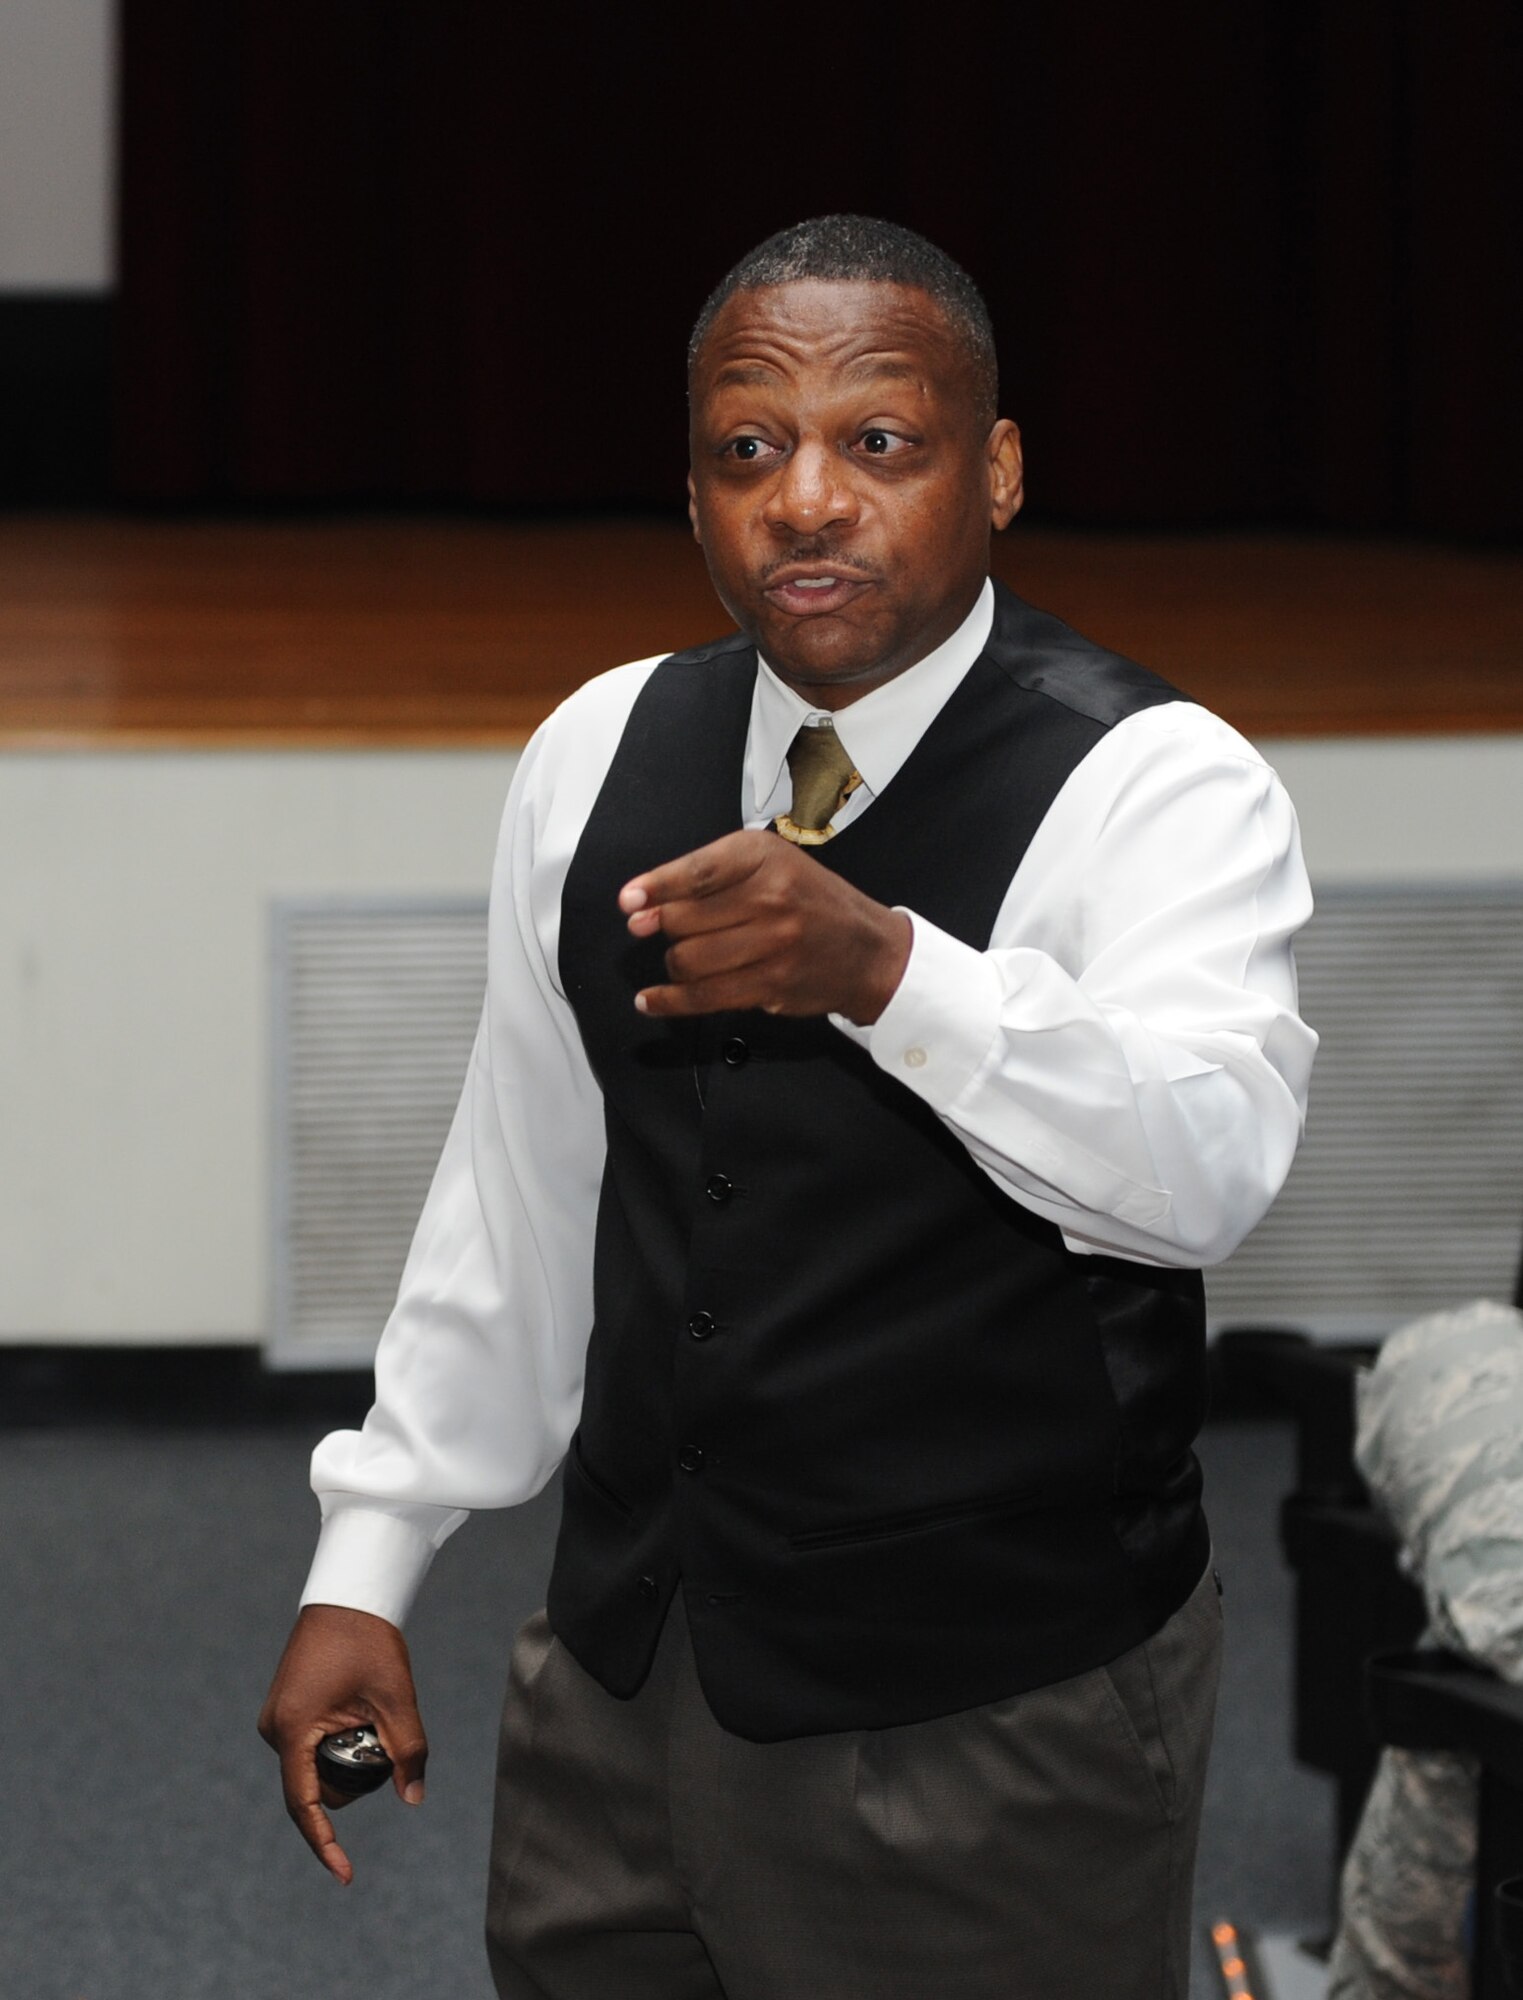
1408, 1192
375, 1011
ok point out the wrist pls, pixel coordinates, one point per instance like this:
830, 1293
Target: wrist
894, 934
315, 1612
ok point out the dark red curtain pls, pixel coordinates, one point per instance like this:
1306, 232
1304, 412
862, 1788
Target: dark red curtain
1255, 263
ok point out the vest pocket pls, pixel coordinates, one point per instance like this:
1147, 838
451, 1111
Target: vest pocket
590, 1479
917, 1521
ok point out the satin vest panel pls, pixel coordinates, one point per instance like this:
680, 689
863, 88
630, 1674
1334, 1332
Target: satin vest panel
903, 1452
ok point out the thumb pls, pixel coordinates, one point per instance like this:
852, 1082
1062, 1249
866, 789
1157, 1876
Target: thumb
400, 1729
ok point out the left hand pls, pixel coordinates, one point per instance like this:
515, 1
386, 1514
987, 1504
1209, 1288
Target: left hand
755, 922
340, 1668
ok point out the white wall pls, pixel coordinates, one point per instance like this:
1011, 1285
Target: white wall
134, 1009
57, 144
1407, 809
134, 979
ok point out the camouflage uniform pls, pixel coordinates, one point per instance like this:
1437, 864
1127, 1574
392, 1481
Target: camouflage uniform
1440, 1441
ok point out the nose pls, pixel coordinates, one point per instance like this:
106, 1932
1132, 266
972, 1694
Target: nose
812, 491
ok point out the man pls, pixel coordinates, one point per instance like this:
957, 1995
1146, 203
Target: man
878, 1159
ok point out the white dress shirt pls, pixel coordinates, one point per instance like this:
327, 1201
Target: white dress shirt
1125, 1059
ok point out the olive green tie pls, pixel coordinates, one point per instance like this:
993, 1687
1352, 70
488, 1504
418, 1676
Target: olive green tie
823, 780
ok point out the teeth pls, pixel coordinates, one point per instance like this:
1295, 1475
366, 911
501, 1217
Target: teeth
813, 582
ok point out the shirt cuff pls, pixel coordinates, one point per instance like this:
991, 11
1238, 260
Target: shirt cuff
936, 1033
373, 1557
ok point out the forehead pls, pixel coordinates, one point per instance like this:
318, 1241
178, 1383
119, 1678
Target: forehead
844, 329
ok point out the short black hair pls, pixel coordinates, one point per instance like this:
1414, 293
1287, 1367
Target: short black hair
848, 248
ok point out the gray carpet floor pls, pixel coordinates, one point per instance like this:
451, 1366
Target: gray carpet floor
147, 1579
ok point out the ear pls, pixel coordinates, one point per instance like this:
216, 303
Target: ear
1007, 479
692, 510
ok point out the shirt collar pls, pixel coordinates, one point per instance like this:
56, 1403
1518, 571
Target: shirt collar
880, 730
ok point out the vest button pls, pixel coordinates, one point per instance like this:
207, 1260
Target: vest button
701, 1325
690, 1458
649, 1589
735, 1052
718, 1188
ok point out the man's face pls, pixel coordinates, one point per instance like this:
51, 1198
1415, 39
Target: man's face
842, 485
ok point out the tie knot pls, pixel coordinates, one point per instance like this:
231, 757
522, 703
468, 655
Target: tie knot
823, 778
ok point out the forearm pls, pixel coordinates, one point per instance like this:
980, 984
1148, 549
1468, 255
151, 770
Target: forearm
479, 1368
1131, 1140
1126, 1057
478, 1372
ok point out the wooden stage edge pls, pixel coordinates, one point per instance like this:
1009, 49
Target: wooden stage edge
140, 635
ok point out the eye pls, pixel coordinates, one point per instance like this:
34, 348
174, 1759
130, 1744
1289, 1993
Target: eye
746, 449
879, 443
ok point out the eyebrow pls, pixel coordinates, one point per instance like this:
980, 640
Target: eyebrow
758, 375
890, 371
745, 375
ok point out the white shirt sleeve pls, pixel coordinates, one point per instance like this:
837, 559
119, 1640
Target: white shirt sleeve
479, 1368
1126, 1059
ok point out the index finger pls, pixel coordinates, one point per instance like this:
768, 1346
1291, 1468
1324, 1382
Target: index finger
299, 1781
707, 871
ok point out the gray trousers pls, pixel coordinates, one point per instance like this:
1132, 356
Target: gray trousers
1037, 1849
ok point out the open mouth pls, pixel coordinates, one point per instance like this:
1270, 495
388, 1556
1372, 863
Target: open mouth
806, 593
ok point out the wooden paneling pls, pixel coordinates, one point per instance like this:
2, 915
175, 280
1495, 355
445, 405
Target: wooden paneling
434, 632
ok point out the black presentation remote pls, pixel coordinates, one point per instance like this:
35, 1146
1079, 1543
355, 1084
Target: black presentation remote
353, 1761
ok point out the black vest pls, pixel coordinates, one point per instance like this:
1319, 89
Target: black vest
904, 1451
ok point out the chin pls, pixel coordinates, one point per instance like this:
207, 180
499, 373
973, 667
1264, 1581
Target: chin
822, 656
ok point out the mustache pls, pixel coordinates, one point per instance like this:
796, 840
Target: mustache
819, 552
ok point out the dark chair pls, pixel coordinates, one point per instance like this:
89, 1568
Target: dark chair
1352, 1598
1436, 1701
1357, 1686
